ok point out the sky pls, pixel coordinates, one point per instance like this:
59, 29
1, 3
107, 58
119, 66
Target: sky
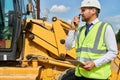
67, 9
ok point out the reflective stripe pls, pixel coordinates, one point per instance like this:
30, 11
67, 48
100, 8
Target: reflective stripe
97, 39
79, 33
84, 59
94, 49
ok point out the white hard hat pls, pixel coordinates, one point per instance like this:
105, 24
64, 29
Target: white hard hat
90, 3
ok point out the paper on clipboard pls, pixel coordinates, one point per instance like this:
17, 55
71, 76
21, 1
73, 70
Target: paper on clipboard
75, 62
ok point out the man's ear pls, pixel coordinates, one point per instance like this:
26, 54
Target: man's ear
93, 10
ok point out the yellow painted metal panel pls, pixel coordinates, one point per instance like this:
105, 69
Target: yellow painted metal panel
20, 70
34, 47
46, 45
59, 35
44, 34
71, 53
15, 73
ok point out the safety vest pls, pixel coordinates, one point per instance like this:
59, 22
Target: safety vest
92, 47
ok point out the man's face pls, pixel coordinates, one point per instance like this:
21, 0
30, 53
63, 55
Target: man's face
86, 13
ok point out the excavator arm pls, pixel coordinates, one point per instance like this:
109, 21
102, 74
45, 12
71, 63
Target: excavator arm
51, 38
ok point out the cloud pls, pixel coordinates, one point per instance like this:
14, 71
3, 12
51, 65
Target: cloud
59, 9
115, 19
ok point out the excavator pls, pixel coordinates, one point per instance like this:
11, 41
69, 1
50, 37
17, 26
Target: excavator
33, 48
30, 48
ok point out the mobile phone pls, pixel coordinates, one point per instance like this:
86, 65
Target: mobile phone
79, 18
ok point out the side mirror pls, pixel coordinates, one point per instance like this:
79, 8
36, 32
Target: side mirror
29, 8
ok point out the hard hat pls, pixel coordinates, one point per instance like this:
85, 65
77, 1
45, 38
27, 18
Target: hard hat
90, 3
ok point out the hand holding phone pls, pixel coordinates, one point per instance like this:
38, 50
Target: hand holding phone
75, 22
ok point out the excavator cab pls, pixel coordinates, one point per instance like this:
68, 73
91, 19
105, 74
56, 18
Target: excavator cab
10, 27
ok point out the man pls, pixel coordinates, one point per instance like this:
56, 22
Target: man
95, 43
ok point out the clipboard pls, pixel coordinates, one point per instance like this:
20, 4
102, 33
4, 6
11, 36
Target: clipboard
75, 62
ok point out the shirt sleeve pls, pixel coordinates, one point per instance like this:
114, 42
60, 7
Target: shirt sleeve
112, 47
70, 40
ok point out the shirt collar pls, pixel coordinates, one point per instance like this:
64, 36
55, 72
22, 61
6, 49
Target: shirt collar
95, 21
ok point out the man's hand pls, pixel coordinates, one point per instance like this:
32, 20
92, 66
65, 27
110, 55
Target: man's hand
75, 22
89, 65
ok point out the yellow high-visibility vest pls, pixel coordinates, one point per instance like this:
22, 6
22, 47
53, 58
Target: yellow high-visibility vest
90, 48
